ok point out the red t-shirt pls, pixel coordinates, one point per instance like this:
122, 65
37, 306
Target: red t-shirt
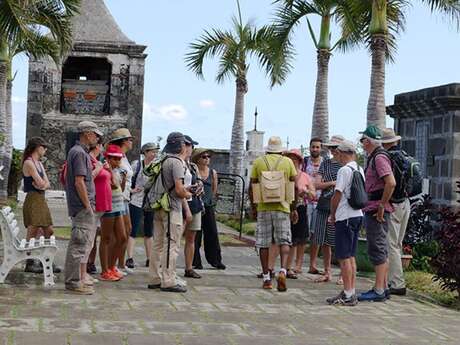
103, 190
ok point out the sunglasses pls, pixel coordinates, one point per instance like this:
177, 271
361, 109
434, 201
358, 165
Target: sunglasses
205, 156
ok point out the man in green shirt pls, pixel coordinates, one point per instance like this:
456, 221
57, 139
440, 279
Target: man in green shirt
273, 219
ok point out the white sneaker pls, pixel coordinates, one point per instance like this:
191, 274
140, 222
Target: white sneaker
128, 270
122, 271
180, 282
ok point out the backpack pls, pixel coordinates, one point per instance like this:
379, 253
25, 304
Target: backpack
406, 171
155, 194
273, 183
358, 196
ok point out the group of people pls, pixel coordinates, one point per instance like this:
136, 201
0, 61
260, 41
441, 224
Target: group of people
335, 199
106, 195
171, 194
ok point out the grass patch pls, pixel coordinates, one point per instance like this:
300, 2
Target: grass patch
62, 233
249, 226
422, 282
362, 260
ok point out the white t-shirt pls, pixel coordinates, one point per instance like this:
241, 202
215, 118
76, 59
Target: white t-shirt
138, 198
188, 179
129, 175
343, 185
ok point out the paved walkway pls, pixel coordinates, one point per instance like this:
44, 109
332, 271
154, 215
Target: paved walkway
225, 307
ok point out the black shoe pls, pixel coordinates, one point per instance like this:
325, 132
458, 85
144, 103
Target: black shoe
219, 266
176, 288
398, 292
154, 286
191, 274
56, 269
130, 263
91, 269
198, 267
147, 263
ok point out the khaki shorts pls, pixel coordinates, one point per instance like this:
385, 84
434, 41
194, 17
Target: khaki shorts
195, 225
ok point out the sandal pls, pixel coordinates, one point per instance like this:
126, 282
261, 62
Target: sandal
261, 274
291, 275
298, 271
314, 271
323, 279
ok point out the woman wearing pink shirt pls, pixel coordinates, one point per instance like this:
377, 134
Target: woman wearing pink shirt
305, 191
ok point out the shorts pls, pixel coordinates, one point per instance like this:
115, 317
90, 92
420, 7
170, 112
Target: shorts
273, 227
125, 210
377, 238
137, 213
346, 237
195, 225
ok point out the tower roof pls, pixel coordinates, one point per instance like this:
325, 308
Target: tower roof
96, 24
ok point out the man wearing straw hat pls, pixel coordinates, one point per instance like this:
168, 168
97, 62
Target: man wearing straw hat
398, 220
273, 219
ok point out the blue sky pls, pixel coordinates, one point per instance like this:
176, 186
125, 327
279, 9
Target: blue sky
175, 99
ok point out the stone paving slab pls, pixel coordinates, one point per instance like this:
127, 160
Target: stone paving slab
225, 307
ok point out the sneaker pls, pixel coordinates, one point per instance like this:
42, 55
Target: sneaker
281, 282
81, 290
126, 270
115, 272
371, 296
147, 263
267, 285
130, 263
191, 274
176, 288
180, 282
91, 269
109, 276
341, 299
397, 292
154, 286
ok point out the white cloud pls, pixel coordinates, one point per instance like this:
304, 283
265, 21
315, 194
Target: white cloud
207, 104
16, 99
169, 112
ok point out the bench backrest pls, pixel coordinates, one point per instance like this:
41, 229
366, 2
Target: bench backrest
9, 226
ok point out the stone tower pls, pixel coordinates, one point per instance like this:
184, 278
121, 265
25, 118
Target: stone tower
101, 79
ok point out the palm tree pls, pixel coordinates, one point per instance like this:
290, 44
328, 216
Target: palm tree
381, 20
22, 24
289, 15
234, 49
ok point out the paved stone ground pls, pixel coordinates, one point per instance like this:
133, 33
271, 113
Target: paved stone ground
225, 307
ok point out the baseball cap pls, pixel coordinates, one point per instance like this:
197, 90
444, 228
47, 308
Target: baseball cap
190, 141
113, 151
174, 142
372, 132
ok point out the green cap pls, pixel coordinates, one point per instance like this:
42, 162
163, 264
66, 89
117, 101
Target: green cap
372, 132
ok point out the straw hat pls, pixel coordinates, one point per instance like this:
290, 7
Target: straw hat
335, 140
275, 145
121, 133
198, 152
389, 136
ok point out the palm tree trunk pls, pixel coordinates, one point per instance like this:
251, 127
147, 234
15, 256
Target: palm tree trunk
8, 140
237, 141
376, 111
320, 119
3, 130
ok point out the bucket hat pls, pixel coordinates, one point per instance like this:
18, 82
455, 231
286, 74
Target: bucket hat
121, 133
389, 136
275, 145
335, 141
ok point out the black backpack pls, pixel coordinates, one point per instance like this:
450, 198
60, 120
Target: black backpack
358, 196
406, 171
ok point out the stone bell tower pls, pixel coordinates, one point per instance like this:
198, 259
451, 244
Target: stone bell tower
101, 80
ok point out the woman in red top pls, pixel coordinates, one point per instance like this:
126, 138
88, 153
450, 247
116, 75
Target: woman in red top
102, 176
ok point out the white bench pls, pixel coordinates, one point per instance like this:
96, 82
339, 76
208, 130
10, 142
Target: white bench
16, 250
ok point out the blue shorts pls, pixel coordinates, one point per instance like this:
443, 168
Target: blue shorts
346, 237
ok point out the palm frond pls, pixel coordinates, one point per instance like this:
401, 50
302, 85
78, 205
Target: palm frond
211, 44
228, 63
450, 8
